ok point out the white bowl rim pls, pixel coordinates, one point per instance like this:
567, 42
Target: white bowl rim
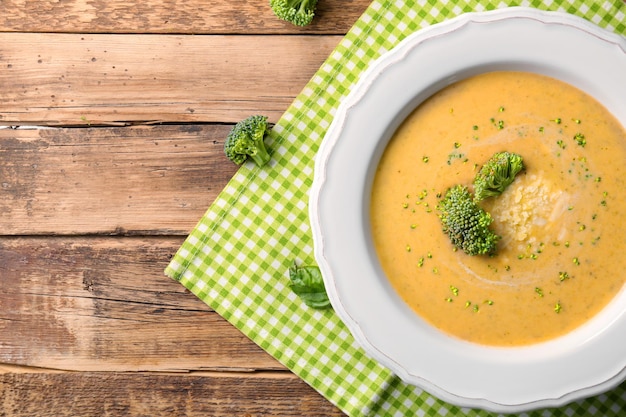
590, 348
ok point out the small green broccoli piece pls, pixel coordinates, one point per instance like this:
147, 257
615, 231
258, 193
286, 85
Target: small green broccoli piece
245, 140
497, 174
298, 12
466, 223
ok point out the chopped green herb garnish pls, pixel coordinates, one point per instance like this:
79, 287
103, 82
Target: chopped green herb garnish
454, 290
580, 139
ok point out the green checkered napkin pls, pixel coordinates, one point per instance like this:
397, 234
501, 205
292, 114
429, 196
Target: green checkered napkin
237, 257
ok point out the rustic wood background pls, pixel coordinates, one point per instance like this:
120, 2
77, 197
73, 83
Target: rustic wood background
112, 120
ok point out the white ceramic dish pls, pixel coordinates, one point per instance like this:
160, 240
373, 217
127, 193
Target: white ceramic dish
585, 362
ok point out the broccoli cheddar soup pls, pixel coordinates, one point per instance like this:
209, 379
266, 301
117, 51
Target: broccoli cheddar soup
559, 257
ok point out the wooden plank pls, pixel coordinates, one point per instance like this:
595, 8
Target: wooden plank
70, 79
85, 304
43, 394
173, 16
128, 180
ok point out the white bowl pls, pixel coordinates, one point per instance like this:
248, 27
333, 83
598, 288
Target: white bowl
585, 362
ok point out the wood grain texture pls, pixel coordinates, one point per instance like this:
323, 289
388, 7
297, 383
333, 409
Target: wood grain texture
94, 79
135, 99
115, 180
24, 394
170, 16
87, 304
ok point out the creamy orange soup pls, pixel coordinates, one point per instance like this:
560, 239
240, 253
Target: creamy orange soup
560, 259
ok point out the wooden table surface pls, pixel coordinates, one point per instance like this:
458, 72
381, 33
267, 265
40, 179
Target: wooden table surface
113, 115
